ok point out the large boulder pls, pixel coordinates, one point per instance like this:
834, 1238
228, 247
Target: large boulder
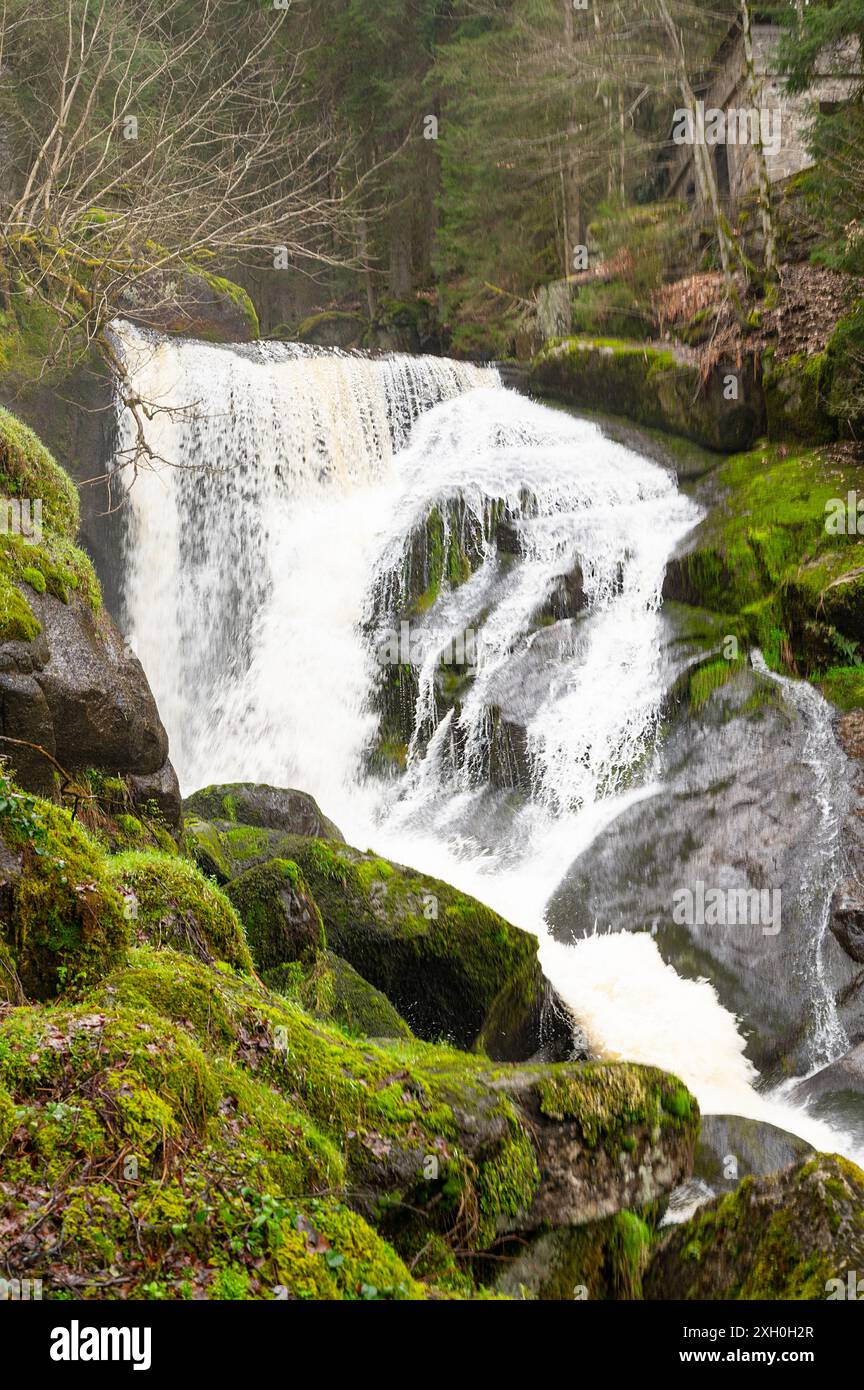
78, 691
846, 1074
236, 826
739, 813
835, 1094
267, 808
656, 385
451, 967
70, 688
192, 302
796, 1235
732, 1147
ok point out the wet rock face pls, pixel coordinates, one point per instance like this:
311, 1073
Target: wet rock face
738, 810
846, 1074
78, 692
847, 919
732, 1147
836, 1094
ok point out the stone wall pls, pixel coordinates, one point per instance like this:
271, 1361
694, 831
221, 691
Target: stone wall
729, 90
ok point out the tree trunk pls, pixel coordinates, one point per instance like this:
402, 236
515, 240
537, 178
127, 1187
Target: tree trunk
766, 213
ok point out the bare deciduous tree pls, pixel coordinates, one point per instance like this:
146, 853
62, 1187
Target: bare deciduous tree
145, 138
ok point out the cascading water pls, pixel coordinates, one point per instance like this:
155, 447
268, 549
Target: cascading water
272, 559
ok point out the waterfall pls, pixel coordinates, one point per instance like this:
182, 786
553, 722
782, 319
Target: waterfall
256, 449
274, 544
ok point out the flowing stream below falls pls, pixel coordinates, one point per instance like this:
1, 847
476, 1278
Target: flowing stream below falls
268, 566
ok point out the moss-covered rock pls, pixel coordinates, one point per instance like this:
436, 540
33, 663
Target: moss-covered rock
790, 1236
37, 550
332, 989
235, 826
190, 300
796, 399
62, 922
185, 1132
443, 959
279, 914
769, 555
262, 807
658, 387
169, 902
68, 683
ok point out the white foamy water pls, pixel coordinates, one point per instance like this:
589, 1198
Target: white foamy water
268, 550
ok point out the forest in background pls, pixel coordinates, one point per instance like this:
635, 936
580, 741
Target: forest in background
437, 160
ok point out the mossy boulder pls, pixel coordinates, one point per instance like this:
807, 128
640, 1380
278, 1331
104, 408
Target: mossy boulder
280, 916
795, 1235
37, 551
264, 807
767, 555
450, 966
656, 386
235, 826
68, 683
333, 989
184, 1132
62, 921
169, 902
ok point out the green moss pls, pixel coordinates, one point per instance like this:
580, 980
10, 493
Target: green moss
65, 926
333, 989
795, 397
40, 554
711, 676
606, 1100
280, 916
7, 1116
171, 903
441, 957
506, 1184
766, 555
844, 686
28, 471
18, 623
238, 297
35, 578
